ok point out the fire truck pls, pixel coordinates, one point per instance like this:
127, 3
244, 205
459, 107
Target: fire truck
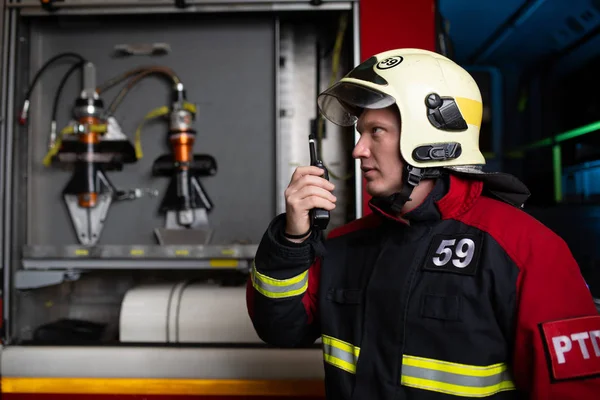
145, 145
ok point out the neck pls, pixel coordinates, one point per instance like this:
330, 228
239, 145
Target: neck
419, 193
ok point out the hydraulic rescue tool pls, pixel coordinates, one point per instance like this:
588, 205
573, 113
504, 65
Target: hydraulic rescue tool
91, 145
185, 203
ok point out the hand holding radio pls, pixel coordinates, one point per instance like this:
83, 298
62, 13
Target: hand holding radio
308, 198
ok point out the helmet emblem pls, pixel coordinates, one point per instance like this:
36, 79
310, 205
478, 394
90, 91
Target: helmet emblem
389, 62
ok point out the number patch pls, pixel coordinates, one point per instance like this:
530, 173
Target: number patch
457, 254
389, 62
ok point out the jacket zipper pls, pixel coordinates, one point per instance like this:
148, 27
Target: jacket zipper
412, 276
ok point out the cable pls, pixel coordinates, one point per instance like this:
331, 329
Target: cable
59, 90
157, 112
135, 76
62, 84
46, 66
112, 108
25, 109
120, 78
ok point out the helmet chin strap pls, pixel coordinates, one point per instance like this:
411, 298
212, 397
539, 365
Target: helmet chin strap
411, 178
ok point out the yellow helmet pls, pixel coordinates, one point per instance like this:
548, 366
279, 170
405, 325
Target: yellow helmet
441, 111
439, 102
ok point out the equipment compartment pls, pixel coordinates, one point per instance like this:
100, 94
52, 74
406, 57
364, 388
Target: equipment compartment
252, 77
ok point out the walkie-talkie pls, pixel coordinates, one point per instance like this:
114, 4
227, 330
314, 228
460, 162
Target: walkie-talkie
319, 218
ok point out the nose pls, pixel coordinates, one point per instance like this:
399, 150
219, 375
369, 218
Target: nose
361, 149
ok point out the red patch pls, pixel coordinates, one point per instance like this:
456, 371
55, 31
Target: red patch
573, 347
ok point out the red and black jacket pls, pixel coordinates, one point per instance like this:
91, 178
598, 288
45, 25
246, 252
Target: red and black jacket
471, 298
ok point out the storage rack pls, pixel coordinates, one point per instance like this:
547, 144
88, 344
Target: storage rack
31, 265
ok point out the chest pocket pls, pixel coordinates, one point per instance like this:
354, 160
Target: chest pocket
343, 311
345, 296
441, 307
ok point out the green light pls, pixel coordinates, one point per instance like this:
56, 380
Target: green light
578, 132
561, 137
557, 168
556, 152
541, 143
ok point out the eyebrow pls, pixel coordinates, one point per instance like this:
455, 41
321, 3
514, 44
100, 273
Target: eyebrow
360, 127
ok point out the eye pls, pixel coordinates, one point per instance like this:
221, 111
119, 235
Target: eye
377, 129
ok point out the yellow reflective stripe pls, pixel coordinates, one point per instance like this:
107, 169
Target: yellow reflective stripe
278, 288
336, 362
453, 378
455, 368
340, 344
340, 354
279, 282
456, 390
471, 110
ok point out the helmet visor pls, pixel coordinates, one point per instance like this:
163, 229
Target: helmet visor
343, 103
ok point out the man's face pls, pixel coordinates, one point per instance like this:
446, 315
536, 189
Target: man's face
378, 150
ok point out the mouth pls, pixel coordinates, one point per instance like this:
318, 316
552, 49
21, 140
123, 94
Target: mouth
366, 170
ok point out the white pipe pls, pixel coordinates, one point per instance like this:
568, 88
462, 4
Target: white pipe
186, 313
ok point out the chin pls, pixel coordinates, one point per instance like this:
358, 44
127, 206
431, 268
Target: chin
375, 190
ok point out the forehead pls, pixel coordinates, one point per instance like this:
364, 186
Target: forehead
389, 116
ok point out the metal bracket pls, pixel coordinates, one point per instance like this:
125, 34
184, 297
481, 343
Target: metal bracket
174, 233
48, 5
119, 7
36, 279
88, 223
142, 49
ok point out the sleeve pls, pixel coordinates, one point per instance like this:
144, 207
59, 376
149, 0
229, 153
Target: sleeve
282, 290
557, 344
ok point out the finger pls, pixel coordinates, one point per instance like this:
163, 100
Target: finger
308, 191
296, 200
318, 181
303, 206
310, 180
318, 202
307, 170
307, 180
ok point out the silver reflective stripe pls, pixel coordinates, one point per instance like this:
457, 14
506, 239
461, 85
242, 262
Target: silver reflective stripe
340, 354
279, 288
455, 379
282, 289
448, 377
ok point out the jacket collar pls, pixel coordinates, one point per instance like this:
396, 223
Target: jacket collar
450, 197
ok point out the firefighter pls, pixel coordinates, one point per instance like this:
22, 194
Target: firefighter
448, 289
